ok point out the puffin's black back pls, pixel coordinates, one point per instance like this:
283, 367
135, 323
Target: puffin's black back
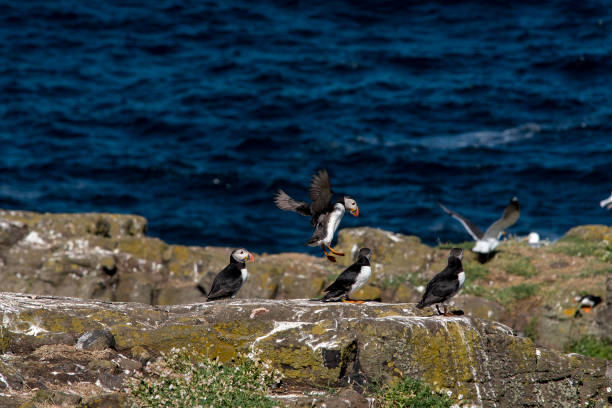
443, 285
347, 278
228, 281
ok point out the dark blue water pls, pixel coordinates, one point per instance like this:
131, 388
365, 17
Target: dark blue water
194, 113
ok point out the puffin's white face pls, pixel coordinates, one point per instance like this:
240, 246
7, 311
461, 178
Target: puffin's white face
351, 205
242, 255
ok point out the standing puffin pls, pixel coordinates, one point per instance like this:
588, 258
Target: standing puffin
325, 211
586, 303
229, 281
489, 240
446, 284
351, 280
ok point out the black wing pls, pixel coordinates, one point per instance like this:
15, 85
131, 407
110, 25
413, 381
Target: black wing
346, 279
320, 191
440, 288
474, 231
226, 283
320, 229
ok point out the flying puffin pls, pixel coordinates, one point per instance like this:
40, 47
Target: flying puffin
606, 203
586, 303
351, 280
229, 281
325, 211
487, 242
446, 284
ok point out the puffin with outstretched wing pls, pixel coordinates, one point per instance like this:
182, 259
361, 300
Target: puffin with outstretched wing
325, 211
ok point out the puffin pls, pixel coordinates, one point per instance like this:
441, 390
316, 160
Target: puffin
325, 211
606, 203
586, 303
350, 280
446, 284
229, 281
487, 242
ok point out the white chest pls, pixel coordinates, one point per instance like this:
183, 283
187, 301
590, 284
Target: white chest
332, 224
587, 302
362, 278
485, 246
245, 274
461, 277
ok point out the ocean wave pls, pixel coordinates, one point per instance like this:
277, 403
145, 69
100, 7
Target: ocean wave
484, 138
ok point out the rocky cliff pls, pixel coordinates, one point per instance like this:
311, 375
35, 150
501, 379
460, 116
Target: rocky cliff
109, 257
81, 351
84, 351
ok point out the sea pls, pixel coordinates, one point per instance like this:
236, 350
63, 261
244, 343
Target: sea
194, 113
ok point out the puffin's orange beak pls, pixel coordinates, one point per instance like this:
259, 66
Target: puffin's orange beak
251, 258
355, 212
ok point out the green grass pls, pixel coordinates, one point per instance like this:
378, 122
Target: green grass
520, 267
592, 347
473, 289
183, 379
591, 271
530, 330
450, 245
516, 293
576, 246
393, 281
475, 270
409, 393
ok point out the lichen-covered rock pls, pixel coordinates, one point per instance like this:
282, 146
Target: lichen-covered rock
109, 257
313, 344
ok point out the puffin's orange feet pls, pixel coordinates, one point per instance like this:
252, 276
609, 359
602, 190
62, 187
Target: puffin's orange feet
587, 309
333, 251
353, 301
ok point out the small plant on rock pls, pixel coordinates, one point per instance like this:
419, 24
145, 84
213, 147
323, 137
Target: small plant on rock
409, 393
185, 379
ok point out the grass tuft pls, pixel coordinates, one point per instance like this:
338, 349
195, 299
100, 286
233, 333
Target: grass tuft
410, 393
521, 267
577, 246
592, 347
185, 379
516, 293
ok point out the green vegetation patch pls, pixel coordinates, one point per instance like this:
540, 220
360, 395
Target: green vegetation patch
475, 270
516, 293
409, 393
575, 245
450, 245
184, 379
521, 267
592, 347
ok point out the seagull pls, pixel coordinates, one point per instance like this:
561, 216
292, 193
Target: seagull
606, 203
487, 242
325, 211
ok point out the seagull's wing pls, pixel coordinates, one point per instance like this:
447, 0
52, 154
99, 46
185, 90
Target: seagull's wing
511, 214
474, 231
320, 191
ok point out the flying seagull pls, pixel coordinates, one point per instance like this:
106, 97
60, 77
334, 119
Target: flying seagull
487, 242
325, 211
606, 203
